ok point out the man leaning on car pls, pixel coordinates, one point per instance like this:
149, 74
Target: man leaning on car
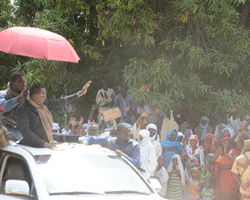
123, 145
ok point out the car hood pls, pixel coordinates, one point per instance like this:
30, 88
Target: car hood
106, 197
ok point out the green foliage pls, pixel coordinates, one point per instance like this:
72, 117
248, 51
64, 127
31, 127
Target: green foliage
194, 53
132, 21
205, 66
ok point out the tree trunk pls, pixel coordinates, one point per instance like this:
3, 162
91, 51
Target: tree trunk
244, 14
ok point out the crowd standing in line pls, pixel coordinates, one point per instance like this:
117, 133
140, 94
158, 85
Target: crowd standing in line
191, 163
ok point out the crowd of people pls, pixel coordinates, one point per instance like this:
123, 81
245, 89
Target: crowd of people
202, 162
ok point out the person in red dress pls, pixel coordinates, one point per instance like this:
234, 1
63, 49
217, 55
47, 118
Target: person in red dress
226, 183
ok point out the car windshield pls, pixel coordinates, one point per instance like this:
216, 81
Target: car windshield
89, 174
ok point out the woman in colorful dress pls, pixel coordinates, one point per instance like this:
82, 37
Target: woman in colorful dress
193, 154
209, 146
226, 183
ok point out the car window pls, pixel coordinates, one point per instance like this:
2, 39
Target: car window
16, 169
67, 173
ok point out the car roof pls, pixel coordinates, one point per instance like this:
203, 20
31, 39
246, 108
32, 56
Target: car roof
63, 147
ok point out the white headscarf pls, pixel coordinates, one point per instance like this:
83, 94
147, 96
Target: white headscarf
179, 167
230, 131
194, 137
186, 132
180, 134
153, 126
144, 144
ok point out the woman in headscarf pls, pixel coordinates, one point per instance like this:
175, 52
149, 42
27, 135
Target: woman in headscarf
218, 142
209, 146
148, 154
228, 132
226, 183
176, 181
170, 146
203, 128
188, 133
193, 154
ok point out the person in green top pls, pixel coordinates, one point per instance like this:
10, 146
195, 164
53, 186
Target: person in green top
207, 172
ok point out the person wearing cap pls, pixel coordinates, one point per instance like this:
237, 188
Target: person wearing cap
34, 119
203, 128
122, 144
148, 160
10, 99
155, 139
241, 169
4, 133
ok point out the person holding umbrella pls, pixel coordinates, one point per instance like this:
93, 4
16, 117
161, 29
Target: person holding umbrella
10, 99
34, 119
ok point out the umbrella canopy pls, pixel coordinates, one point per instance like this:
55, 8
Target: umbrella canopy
37, 43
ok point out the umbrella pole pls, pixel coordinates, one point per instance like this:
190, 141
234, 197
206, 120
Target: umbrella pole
66, 106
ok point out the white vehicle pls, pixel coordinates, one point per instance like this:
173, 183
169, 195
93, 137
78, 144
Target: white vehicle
73, 171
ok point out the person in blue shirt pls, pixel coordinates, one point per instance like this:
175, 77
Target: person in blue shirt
10, 99
127, 106
123, 145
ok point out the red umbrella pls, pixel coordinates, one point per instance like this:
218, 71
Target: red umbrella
37, 43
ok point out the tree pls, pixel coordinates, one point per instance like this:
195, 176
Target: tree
193, 53
200, 59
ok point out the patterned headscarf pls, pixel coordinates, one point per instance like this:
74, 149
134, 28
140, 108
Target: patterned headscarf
230, 131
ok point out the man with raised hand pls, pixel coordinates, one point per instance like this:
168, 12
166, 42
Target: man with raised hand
34, 119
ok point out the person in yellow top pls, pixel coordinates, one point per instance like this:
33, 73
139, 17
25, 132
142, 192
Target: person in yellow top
241, 169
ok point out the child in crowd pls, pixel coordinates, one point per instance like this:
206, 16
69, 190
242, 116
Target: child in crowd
162, 175
208, 171
180, 138
207, 192
194, 184
176, 181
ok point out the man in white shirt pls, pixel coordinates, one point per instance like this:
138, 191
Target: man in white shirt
148, 154
104, 97
155, 139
